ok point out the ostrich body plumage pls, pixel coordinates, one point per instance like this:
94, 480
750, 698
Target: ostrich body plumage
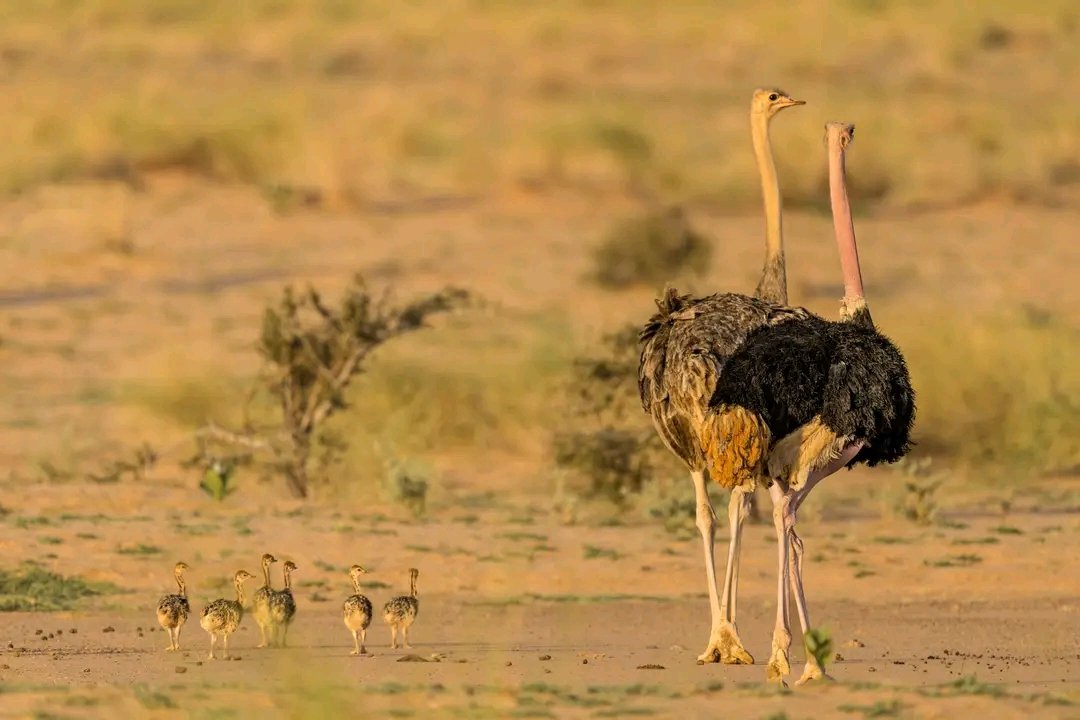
846, 376
685, 347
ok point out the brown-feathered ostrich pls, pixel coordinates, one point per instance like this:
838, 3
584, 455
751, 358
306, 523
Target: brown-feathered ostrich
810, 396
683, 350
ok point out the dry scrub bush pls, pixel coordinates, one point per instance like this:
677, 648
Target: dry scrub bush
606, 442
650, 249
312, 353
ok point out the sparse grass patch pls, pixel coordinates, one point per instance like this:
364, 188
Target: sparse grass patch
522, 536
153, 699
880, 709
32, 587
967, 685
892, 540
138, 549
26, 522
1001, 395
592, 551
966, 560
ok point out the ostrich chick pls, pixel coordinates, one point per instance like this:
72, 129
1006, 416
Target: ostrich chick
400, 612
282, 607
357, 612
173, 609
222, 617
261, 601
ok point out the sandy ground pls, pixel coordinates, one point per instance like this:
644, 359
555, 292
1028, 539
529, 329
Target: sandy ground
973, 617
532, 618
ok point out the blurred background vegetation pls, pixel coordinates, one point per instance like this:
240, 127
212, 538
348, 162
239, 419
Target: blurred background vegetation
961, 101
353, 110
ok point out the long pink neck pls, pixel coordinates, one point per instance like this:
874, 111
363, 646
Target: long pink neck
842, 224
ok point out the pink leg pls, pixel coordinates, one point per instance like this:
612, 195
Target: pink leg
812, 670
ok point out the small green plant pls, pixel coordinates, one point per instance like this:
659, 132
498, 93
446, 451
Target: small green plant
650, 249
818, 643
217, 479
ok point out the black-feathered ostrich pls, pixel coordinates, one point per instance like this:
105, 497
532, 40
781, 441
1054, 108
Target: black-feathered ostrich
814, 396
684, 348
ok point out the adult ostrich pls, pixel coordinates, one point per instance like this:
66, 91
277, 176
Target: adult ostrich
832, 394
683, 350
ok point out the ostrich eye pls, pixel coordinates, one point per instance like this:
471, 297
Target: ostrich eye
773, 97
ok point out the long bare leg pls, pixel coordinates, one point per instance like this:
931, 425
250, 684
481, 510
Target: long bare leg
262, 635
722, 634
778, 661
743, 515
393, 637
363, 639
225, 644
356, 642
176, 637
172, 643
732, 651
213, 642
405, 637
812, 670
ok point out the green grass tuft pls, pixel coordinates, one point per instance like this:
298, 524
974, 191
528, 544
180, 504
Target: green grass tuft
32, 587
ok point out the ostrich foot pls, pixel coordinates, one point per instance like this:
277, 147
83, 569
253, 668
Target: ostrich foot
778, 662
725, 647
778, 667
811, 672
355, 652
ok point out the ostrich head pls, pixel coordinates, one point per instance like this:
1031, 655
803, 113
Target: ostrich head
289, 566
241, 576
356, 571
267, 559
767, 102
843, 134
180, 567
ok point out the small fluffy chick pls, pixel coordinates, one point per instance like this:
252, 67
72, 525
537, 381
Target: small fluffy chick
173, 609
357, 611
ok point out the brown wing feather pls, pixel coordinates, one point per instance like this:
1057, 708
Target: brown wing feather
683, 350
736, 443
